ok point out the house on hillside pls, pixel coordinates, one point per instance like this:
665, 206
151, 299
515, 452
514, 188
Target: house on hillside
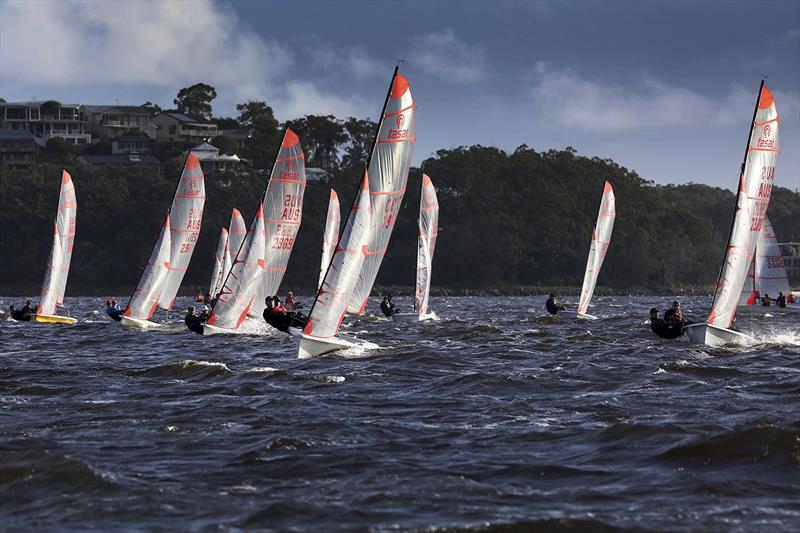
212, 162
173, 127
45, 120
17, 148
131, 144
111, 121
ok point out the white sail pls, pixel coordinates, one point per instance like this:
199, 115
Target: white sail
239, 291
428, 226
67, 213
48, 301
145, 297
283, 213
601, 237
237, 231
388, 175
330, 305
755, 189
330, 235
748, 296
185, 217
767, 275
221, 264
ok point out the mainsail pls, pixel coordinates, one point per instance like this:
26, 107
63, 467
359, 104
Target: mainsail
428, 226
58, 266
239, 290
185, 217
388, 174
283, 213
601, 237
767, 275
145, 297
330, 235
222, 263
755, 188
341, 277
237, 230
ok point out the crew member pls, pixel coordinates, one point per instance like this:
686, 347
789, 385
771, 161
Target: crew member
781, 300
674, 315
387, 306
553, 307
193, 321
279, 318
113, 309
661, 328
766, 301
289, 303
25, 314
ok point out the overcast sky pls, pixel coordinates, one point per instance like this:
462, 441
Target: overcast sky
666, 89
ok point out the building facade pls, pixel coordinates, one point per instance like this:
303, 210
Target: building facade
17, 148
45, 120
174, 127
109, 122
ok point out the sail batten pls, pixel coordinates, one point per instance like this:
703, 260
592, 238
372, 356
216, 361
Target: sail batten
601, 238
755, 189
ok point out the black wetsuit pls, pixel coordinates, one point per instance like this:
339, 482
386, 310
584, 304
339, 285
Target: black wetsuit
24, 315
664, 330
388, 308
194, 323
551, 305
282, 322
781, 301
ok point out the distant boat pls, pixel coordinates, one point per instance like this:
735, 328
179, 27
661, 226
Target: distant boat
767, 275
228, 246
321, 333
259, 264
55, 279
428, 229
388, 174
384, 184
330, 235
184, 219
601, 237
752, 200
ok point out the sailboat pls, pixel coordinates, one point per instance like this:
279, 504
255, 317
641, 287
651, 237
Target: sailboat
330, 235
320, 335
601, 237
428, 229
752, 200
161, 278
55, 279
260, 262
767, 275
229, 241
386, 177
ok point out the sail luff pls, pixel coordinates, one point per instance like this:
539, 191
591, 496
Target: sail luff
186, 215
330, 235
601, 237
428, 229
753, 196
48, 301
67, 214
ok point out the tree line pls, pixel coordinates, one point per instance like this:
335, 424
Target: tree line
507, 218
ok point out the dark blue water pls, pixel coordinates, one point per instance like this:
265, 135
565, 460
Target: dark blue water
493, 416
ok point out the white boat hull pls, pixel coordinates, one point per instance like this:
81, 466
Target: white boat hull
410, 318
309, 346
703, 333
208, 329
586, 317
137, 323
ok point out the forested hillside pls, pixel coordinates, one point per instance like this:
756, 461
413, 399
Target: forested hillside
521, 218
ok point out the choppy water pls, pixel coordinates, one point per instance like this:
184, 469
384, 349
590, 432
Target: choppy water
492, 416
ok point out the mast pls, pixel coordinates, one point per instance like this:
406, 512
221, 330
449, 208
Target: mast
215, 297
738, 194
358, 190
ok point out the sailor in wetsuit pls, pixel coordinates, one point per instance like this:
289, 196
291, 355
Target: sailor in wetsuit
113, 309
674, 315
780, 301
662, 328
193, 321
552, 306
766, 301
25, 314
279, 318
387, 306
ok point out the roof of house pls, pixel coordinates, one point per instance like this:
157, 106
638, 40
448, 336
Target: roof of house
32, 103
180, 117
121, 159
123, 109
205, 147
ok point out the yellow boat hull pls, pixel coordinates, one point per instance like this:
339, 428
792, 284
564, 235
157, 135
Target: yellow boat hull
55, 319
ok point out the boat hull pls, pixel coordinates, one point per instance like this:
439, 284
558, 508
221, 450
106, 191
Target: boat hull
309, 346
709, 335
137, 323
410, 318
54, 319
586, 317
214, 330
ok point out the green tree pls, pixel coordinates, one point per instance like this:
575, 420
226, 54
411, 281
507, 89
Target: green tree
195, 100
361, 134
322, 137
151, 108
259, 119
